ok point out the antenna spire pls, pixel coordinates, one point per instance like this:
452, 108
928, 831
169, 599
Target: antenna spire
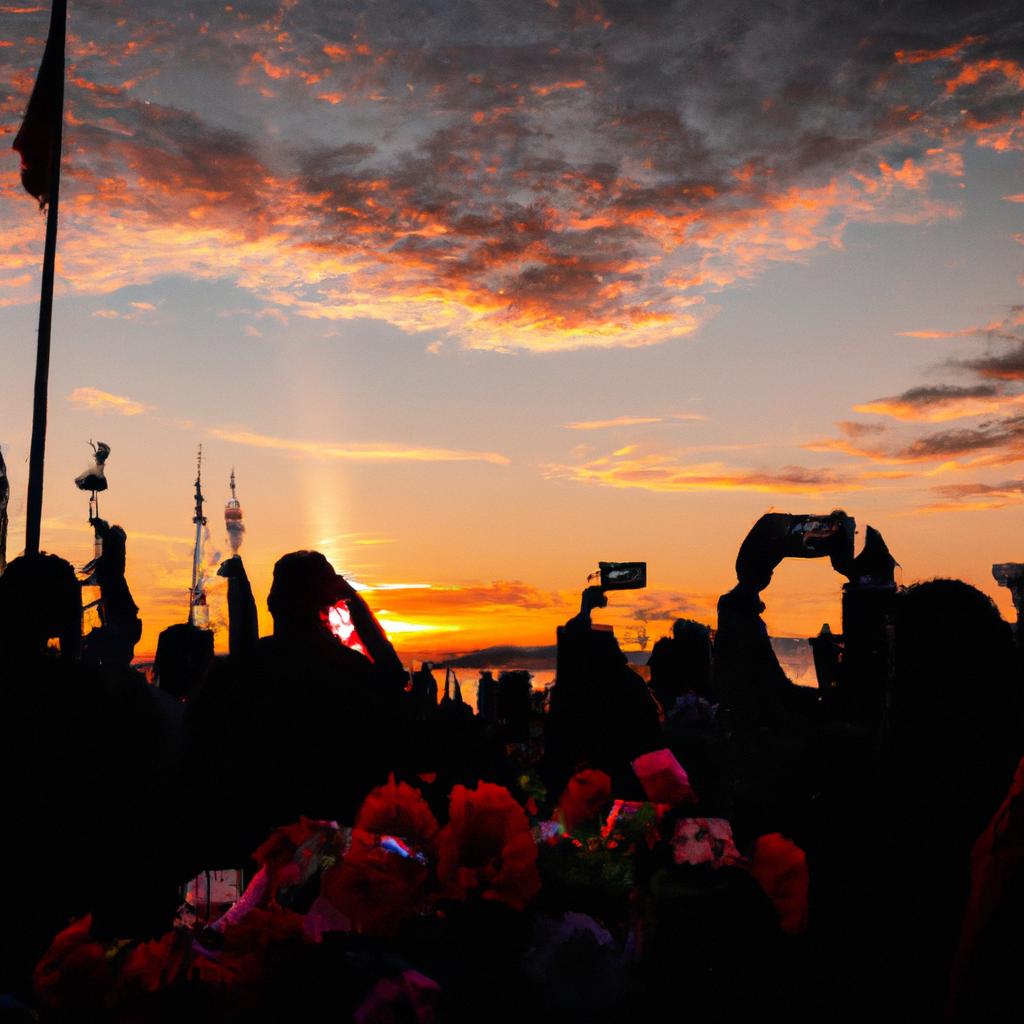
198, 614
199, 519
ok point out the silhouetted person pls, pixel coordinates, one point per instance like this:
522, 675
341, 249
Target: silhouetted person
953, 741
304, 725
748, 679
827, 650
601, 713
243, 627
867, 610
954, 701
681, 663
424, 692
513, 705
184, 654
487, 697
79, 791
113, 641
46, 707
40, 601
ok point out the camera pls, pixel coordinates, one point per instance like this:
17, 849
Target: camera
623, 575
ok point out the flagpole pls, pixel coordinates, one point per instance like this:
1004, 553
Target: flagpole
37, 452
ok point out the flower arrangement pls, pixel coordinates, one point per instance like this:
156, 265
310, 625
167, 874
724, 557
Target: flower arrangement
486, 850
397, 875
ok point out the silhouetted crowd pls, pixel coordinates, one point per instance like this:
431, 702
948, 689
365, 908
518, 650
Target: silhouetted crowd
709, 842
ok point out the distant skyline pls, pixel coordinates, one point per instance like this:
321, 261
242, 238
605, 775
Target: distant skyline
475, 294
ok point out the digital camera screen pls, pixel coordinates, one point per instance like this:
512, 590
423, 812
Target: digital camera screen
623, 575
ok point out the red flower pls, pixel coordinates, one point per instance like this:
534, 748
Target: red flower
152, 966
241, 962
396, 809
380, 883
77, 971
585, 797
81, 973
486, 849
780, 868
262, 927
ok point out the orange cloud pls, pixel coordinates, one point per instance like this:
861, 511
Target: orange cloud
354, 452
847, 446
943, 403
632, 421
930, 334
942, 53
972, 73
1002, 329
629, 468
94, 400
136, 310
547, 90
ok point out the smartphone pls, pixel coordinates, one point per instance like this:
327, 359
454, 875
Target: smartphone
623, 575
813, 536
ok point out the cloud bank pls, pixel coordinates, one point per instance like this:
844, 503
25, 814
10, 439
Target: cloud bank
540, 176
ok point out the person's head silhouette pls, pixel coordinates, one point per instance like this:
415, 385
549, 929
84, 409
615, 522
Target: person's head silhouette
305, 583
40, 600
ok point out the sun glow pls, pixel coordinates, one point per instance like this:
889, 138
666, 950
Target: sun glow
396, 626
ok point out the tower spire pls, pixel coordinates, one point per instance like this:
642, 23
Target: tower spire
197, 611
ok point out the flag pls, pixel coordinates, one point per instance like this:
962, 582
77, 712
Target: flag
38, 139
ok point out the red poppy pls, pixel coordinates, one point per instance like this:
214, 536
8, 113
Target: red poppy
246, 943
585, 797
77, 971
152, 966
261, 927
80, 972
780, 868
380, 883
486, 849
396, 809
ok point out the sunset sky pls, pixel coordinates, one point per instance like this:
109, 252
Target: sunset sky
475, 293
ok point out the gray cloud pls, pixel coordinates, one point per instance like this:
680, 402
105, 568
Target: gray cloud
967, 491
966, 440
940, 394
999, 366
853, 428
563, 173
